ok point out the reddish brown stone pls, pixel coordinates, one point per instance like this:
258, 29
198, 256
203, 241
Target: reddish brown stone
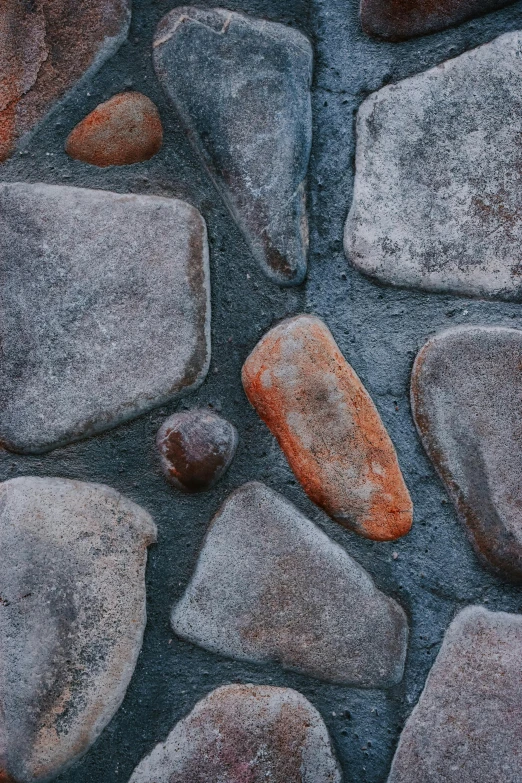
328, 427
45, 47
125, 129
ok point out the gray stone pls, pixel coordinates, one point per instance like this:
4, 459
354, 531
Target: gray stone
466, 392
241, 87
271, 586
467, 725
245, 734
72, 615
437, 201
105, 310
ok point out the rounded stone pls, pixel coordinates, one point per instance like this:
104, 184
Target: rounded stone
125, 129
196, 448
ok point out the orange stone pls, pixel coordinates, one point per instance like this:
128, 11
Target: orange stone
328, 427
125, 129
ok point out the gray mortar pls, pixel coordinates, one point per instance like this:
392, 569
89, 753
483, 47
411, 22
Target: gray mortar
378, 329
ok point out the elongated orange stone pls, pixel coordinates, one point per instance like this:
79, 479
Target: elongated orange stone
328, 427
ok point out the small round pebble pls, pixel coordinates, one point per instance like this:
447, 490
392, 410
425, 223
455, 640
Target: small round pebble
196, 448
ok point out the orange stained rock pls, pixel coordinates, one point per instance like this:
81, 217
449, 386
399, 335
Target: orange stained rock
328, 427
125, 129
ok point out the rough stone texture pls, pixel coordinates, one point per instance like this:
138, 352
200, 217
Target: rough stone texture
467, 725
397, 20
241, 86
437, 201
466, 393
72, 617
125, 129
46, 46
196, 448
105, 309
271, 586
328, 427
245, 734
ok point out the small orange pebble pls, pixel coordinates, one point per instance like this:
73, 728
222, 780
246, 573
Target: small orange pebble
328, 427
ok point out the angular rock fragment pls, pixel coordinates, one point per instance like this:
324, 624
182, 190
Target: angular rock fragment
328, 427
270, 586
467, 725
125, 129
72, 616
466, 393
241, 86
245, 734
46, 46
196, 448
105, 309
437, 202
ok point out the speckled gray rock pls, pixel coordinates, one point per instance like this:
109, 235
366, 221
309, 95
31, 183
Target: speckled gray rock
467, 725
105, 310
245, 734
437, 201
271, 586
72, 616
196, 448
241, 86
466, 393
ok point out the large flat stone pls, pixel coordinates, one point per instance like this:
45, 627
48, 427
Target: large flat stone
467, 725
271, 586
241, 86
328, 427
466, 393
105, 310
245, 734
437, 202
46, 46
72, 616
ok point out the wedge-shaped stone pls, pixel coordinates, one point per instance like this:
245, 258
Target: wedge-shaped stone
46, 46
241, 86
72, 616
437, 202
466, 393
270, 586
467, 725
105, 309
245, 734
328, 427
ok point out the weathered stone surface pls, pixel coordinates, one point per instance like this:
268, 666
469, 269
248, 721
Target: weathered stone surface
105, 309
467, 725
466, 393
125, 129
397, 20
271, 586
46, 46
196, 448
328, 427
241, 86
72, 616
245, 734
437, 201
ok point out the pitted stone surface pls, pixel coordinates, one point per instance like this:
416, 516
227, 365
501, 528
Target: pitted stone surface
241, 86
196, 448
467, 725
105, 309
72, 617
245, 734
271, 586
328, 427
466, 394
125, 129
437, 201
46, 46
